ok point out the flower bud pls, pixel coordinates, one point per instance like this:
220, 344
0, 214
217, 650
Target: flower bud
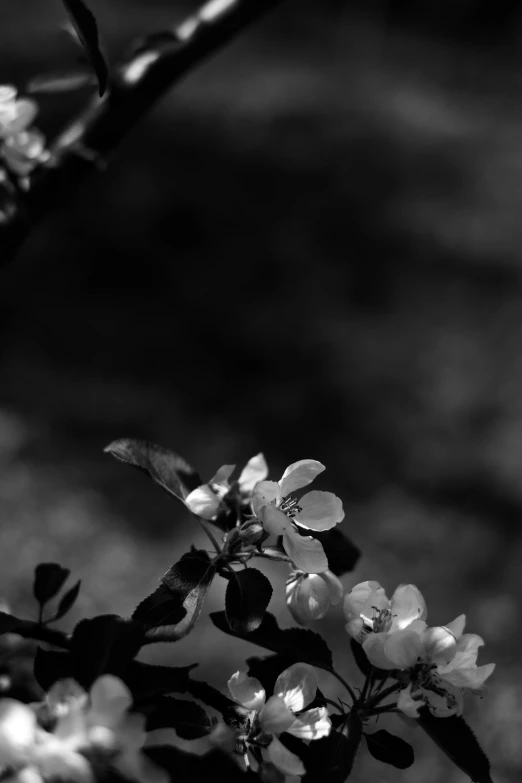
307, 597
440, 645
251, 533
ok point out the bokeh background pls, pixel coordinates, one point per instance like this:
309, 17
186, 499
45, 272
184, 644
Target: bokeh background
311, 247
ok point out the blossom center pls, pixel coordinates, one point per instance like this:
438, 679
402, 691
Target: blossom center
290, 506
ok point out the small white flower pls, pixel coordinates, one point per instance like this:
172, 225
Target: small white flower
309, 596
295, 689
24, 150
206, 500
279, 513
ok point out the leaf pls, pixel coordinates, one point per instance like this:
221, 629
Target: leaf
166, 468
298, 644
390, 749
204, 692
342, 553
190, 720
161, 608
191, 768
104, 645
51, 665
61, 81
332, 758
87, 30
9, 623
189, 580
49, 579
68, 600
247, 597
457, 740
146, 680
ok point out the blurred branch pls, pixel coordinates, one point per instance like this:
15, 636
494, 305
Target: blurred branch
136, 84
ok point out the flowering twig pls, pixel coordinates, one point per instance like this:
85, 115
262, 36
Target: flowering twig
135, 85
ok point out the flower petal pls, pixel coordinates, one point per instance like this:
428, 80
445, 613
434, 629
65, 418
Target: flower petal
264, 492
305, 552
273, 520
467, 652
363, 600
299, 474
297, 686
312, 724
407, 704
403, 648
276, 717
56, 760
472, 677
335, 587
355, 628
222, 476
17, 732
247, 691
440, 645
110, 700
319, 511
456, 627
255, 470
407, 605
308, 598
25, 110
284, 759
444, 705
203, 502
373, 646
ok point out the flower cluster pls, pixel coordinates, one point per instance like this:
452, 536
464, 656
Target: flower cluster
294, 690
22, 145
437, 664
83, 734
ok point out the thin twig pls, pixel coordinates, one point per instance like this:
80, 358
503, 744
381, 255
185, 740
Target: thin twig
136, 84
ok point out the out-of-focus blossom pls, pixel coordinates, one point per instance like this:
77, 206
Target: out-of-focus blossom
206, 501
23, 146
309, 596
295, 689
95, 726
281, 514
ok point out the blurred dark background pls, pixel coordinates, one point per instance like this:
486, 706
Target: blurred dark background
312, 247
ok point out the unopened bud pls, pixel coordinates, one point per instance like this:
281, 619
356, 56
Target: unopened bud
252, 534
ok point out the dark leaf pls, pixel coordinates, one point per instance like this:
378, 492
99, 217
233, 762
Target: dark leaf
189, 768
50, 665
61, 81
146, 680
298, 644
342, 553
166, 468
68, 600
363, 663
190, 720
456, 739
188, 581
9, 623
390, 749
247, 597
87, 30
161, 608
104, 645
332, 758
49, 579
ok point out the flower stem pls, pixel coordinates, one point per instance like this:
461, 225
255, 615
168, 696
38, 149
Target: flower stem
342, 681
211, 536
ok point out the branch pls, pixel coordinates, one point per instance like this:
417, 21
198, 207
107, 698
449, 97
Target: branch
136, 84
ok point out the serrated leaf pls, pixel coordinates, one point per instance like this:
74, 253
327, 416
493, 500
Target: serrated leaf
390, 749
189, 581
104, 645
341, 552
49, 579
298, 644
68, 600
9, 623
146, 680
61, 81
161, 608
190, 720
247, 597
207, 693
86, 28
165, 468
455, 738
